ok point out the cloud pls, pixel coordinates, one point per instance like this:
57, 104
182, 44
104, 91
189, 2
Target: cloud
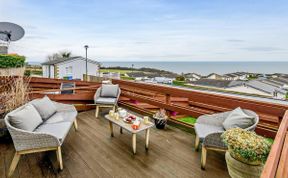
263, 49
33, 37
235, 41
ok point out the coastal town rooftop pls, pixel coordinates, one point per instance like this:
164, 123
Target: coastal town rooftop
91, 152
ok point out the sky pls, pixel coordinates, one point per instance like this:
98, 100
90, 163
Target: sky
151, 30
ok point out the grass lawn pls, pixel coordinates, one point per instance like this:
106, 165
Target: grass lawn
188, 120
116, 70
127, 78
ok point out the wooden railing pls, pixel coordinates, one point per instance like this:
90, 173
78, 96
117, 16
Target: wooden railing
277, 162
196, 103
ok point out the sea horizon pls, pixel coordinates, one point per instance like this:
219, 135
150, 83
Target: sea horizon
206, 67
202, 67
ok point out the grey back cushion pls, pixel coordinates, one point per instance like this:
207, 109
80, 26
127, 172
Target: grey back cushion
26, 118
45, 107
109, 91
238, 118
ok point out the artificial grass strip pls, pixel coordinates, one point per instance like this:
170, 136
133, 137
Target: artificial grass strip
188, 120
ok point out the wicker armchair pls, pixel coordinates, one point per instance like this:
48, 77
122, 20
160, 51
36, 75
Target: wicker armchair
208, 130
109, 101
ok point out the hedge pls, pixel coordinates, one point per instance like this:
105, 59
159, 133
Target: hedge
11, 61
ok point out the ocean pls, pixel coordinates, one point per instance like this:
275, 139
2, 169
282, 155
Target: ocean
205, 68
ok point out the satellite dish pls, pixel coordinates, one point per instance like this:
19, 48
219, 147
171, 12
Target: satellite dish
10, 32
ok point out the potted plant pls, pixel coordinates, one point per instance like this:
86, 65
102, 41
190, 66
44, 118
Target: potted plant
247, 152
160, 119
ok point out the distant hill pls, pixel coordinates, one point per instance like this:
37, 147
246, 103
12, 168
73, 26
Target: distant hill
144, 71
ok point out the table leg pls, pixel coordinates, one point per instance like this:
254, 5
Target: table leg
134, 143
147, 138
111, 128
121, 130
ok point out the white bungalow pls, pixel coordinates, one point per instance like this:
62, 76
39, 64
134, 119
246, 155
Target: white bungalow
71, 68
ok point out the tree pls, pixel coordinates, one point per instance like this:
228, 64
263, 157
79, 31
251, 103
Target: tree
65, 54
59, 55
180, 78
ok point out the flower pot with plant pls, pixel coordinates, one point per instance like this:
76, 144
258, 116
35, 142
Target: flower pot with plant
160, 119
247, 152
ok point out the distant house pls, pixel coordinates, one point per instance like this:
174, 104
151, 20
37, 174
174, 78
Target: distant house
72, 68
140, 76
267, 87
110, 75
214, 76
192, 77
222, 84
236, 76
163, 80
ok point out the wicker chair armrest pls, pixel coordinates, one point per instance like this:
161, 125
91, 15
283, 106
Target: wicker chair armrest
119, 93
214, 140
97, 94
25, 140
213, 119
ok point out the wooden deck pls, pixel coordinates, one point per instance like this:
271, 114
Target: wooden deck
91, 152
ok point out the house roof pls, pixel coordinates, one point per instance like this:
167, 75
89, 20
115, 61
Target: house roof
235, 74
187, 75
217, 83
264, 86
214, 74
60, 60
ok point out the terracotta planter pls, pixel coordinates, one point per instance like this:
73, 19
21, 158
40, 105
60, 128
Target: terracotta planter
238, 169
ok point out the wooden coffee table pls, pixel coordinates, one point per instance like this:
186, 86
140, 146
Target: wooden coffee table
126, 126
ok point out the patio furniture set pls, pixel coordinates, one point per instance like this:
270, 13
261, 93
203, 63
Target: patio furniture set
42, 125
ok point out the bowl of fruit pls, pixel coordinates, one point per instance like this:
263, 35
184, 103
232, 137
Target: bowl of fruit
130, 119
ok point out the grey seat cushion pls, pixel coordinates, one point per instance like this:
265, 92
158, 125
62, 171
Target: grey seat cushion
26, 118
202, 130
63, 116
102, 100
238, 118
45, 107
58, 130
109, 91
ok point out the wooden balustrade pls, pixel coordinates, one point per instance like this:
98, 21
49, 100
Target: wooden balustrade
199, 103
276, 164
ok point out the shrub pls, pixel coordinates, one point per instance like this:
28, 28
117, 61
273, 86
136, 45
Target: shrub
14, 95
180, 78
27, 73
11, 61
246, 146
